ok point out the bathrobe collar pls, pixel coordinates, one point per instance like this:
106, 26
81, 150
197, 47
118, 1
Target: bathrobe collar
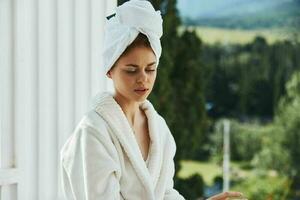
106, 106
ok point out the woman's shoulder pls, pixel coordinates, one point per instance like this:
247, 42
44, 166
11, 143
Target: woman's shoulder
90, 125
93, 120
91, 129
93, 124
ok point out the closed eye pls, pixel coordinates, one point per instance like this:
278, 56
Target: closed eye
150, 70
130, 71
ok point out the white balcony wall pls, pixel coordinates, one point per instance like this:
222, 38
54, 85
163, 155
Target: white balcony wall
50, 67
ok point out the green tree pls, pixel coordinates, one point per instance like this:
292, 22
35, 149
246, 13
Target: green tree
178, 93
288, 119
281, 149
187, 76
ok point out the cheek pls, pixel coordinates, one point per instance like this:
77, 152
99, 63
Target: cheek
125, 80
153, 77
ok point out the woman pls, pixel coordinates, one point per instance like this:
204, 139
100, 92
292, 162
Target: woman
122, 148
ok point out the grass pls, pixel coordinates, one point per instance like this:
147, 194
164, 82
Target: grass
206, 169
209, 170
247, 180
236, 36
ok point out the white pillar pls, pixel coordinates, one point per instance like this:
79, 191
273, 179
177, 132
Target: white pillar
226, 158
50, 67
47, 105
25, 96
65, 78
82, 55
7, 145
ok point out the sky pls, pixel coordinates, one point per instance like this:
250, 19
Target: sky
220, 8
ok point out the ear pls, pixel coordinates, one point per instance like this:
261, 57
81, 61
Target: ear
108, 74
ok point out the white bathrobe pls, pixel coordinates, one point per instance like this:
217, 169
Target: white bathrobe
102, 159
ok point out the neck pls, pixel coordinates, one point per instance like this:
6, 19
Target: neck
131, 109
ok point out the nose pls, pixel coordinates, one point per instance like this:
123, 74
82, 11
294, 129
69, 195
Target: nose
143, 77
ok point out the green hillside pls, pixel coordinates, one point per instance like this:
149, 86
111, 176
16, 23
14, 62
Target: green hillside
238, 36
285, 14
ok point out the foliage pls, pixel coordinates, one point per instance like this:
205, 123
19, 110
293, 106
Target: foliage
188, 98
178, 94
211, 35
191, 188
244, 81
288, 119
264, 187
281, 148
245, 140
272, 155
280, 145
237, 81
179, 87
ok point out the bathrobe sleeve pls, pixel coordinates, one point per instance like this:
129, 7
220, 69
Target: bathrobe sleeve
171, 193
89, 171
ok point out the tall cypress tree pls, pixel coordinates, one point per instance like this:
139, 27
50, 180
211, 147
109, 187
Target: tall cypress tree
178, 92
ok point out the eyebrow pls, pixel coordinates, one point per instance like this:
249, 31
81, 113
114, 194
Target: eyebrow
134, 65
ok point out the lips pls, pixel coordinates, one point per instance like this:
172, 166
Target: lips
141, 91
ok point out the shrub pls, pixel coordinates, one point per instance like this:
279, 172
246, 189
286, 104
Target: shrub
191, 188
245, 140
264, 187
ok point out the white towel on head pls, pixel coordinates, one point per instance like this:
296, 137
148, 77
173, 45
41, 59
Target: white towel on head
132, 18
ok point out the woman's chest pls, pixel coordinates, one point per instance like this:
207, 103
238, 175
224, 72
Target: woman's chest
142, 137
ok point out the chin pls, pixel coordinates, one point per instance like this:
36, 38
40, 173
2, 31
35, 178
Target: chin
140, 98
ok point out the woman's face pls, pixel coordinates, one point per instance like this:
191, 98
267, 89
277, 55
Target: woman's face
134, 74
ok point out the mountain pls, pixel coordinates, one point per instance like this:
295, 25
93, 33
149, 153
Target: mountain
243, 14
